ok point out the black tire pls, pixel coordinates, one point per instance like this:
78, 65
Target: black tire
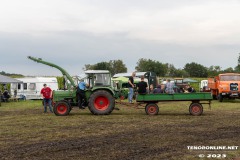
220, 97
213, 95
101, 102
152, 109
61, 108
196, 109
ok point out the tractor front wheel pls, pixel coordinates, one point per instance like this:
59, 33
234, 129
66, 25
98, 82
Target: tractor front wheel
61, 109
101, 103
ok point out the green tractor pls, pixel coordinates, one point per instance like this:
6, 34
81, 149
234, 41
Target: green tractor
100, 93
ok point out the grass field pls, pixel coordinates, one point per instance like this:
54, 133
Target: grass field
27, 133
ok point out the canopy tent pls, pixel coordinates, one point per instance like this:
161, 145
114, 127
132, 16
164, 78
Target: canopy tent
123, 79
188, 80
6, 80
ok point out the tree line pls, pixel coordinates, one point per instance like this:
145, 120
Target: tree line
11, 74
192, 69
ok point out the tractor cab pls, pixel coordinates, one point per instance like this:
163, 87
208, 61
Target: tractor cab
95, 78
98, 78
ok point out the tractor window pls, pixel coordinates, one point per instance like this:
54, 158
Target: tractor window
230, 78
102, 80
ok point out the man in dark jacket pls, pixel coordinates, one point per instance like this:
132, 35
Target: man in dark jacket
142, 86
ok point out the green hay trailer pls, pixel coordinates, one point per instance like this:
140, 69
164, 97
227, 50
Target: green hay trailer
195, 108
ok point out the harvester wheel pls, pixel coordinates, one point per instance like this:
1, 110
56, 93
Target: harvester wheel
196, 109
101, 103
61, 108
152, 109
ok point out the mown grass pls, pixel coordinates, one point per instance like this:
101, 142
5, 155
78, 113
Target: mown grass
27, 133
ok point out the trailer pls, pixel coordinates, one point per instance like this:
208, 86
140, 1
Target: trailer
31, 87
196, 99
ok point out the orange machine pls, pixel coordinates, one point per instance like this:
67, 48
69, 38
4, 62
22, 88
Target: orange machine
225, 85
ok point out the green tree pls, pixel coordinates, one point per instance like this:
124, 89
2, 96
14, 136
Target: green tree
159, 68
117, 66
97, 66
239, 59
228, 70
173, 72
196, 70
214, 70
237, 68
113, 66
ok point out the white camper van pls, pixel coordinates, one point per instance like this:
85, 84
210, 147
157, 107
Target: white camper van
31, 86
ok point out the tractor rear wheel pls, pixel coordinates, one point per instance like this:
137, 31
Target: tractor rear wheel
61, 108
101, 102
196, 109
152, 109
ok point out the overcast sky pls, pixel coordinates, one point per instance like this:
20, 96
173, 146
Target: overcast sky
72, 33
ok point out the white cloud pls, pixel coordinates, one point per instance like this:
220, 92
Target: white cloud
176, 31
199, 22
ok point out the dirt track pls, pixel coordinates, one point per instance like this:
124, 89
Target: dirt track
161, 137
146, 143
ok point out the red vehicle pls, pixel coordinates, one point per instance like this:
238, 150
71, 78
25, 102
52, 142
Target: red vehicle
225, 85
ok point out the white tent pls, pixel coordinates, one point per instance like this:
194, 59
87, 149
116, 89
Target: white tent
6, 80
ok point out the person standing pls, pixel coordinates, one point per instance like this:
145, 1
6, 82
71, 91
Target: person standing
142, 86
81, 94
46, 93
131, 87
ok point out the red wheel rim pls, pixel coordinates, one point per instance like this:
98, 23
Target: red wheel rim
61, 109
101, 103
195, 109
152, 110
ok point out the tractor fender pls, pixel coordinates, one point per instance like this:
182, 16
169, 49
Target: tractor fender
105, 89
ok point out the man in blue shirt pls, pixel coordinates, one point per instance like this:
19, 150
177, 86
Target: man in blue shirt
82, 101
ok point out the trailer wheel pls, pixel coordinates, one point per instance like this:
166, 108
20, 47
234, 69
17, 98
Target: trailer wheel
152, 109
101, 103
196, 109
61, 109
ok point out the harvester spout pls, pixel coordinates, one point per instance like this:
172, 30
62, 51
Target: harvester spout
65, 74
